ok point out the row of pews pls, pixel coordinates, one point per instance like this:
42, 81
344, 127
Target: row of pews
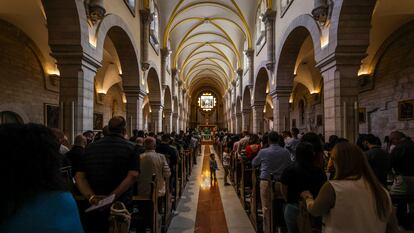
246, 182
154, 214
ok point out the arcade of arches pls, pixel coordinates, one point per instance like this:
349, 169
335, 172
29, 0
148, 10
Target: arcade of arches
333, 67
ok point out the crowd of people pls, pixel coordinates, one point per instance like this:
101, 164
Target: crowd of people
42, 173
344, 186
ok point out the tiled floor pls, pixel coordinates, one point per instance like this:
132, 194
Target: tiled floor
207, 207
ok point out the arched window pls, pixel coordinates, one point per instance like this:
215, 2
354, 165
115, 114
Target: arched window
131, 5
10, 117
154, 26
260, 26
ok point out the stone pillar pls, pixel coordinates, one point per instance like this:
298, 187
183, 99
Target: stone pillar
258, 118
134, 111
165, 52
156, 117
175, 122
145, 16
233, 123
246, 119
168, 121
340, 83
76, 96
281, 109
238, 122
250, 60
269, 20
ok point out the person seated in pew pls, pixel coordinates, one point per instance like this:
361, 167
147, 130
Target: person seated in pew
354, 201
34, 198
272, 161
300, 176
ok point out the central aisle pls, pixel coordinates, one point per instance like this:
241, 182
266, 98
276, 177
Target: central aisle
208, 207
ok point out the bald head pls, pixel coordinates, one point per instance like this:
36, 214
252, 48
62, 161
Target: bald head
150, 143
139, 141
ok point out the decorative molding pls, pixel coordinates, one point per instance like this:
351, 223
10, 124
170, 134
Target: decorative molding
322, 12
95, 10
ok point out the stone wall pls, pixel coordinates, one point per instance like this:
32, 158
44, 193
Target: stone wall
111, 104
393, 82
22, 79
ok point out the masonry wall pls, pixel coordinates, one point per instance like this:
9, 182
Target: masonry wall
111, 104
22, 81
393, 82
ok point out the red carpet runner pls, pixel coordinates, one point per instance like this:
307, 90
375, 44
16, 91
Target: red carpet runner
210, 213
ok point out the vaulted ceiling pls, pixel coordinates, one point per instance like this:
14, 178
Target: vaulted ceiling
207, 38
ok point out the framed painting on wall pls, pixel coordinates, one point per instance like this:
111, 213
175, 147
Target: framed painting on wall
97, 121
51, 115
406, 110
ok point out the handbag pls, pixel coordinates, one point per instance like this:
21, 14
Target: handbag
119, 218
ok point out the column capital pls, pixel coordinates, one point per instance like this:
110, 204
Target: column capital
165, 52
134, 91
233, 83
269, 16
240, 72
71, 55
249, 53
281, 91
156, 106
145, 16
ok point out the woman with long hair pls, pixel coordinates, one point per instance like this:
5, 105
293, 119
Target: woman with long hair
34, 198
354, 201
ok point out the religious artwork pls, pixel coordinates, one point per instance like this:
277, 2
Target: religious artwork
206, 101
97, 121
362, 118
51, 115
406, 110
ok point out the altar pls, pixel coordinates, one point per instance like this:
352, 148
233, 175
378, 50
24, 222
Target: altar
207, 131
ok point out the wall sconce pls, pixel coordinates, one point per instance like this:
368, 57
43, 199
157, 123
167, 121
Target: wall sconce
95, 10
322, 11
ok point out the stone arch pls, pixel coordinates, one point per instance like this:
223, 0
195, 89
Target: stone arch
289, 48
114, 28
154, 86
260, 86
397, 35
59, 15
167, 99
247, 103
350, 27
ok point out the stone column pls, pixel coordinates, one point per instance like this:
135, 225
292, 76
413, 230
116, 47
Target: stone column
145, 16
238, 122
134, 111
281, 109
156, 117
269, 20
168, 121
250, 60
258, 118
165, 52
233, 123
175, 122
340, 83
246, 119
76, 96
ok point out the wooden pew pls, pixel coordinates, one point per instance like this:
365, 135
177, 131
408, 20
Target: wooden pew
237, 175
165, 207
147, 207
276, 212
232, 167
245, 182
255, 201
